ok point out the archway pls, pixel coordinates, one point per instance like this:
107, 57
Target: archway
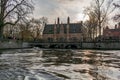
40, 46
54, 46
71, 47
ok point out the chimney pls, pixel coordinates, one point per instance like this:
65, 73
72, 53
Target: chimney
107, 27
68, 20
115, 26
119, 25
58, 21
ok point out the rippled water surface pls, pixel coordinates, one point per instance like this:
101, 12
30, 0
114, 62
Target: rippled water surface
49, 64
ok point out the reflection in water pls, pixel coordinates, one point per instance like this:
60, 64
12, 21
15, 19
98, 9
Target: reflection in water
37, 64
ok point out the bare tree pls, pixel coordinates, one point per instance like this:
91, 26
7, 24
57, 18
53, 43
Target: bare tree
101, 10
117, 16
13, 11
37, 26
91, 24
24, 33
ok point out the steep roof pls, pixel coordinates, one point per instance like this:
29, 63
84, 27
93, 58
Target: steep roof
73, 28
49, 29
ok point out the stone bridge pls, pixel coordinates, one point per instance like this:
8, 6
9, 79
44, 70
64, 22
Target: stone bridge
77, 45
57, 45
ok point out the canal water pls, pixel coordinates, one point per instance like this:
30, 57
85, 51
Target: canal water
56, 64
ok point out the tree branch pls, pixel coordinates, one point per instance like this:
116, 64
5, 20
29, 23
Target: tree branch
13, 9
13, 23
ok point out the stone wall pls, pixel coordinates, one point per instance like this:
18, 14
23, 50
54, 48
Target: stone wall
87, 45
107, 45
12, 44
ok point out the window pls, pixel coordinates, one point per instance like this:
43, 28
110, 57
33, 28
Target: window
50, 39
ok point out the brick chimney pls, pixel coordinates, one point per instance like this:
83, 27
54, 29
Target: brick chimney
107, 27
58, 20
116, 26
68, 20
119, 25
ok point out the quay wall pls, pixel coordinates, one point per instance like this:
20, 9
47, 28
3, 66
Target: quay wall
88, 45
85, 45
102, 45
12, 45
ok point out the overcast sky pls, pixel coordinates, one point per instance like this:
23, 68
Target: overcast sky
52, 9
60, 8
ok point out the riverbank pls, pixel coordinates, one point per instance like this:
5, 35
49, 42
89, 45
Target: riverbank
78, 45
101, 45
12, 44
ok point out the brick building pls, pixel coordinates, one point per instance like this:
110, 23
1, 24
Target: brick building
112, 34
63, 32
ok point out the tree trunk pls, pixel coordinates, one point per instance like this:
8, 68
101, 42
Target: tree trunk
1, 32
96, 31
100, 31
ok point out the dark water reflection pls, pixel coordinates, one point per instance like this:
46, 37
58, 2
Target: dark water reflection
37, 64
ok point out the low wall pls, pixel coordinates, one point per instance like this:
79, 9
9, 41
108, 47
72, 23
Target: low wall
102, 45
84, 45
12, 44
87, 45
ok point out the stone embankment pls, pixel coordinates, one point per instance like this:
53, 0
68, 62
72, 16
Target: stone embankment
13, 45
102, 45
80, 45
87, 45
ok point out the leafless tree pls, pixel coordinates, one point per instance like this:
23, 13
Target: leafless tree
117, 16
13, 11
24, 31
91, 24
101, 10
37, 26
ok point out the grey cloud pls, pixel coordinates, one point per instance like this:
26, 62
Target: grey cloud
59, 8
69, 0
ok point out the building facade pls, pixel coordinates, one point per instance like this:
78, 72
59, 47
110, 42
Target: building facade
112, 34
63, 32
